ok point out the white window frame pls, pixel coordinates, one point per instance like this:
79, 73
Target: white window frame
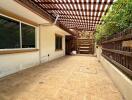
21, 34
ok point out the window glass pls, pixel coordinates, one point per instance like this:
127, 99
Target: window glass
9, 33
28, 36
58, 42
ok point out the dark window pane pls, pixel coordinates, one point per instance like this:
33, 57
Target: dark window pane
28, 36
58, 42
9, 33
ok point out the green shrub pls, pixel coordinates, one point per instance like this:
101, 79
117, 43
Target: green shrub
118, 18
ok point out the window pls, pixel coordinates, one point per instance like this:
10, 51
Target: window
9, 33
14, 34
58, 42
28, 36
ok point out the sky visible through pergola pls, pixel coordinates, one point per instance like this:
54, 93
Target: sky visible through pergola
81, 15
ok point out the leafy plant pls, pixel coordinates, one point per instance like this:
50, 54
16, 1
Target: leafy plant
118, 18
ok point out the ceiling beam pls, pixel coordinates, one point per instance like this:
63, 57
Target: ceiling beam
66, 2
72, 13
88, 19
88, 10
62, 15
80, 22
85, 29
50, 12
29, 4
85, 20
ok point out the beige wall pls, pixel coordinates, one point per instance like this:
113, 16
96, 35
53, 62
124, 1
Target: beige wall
47, 42
11, 63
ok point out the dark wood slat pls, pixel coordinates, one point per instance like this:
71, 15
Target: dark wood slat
48, 9
89, 3
128, 36
103, 7
66, 9
108, 7
71, 11
76, 18
83, 21
119, 52
123, 68
76, 14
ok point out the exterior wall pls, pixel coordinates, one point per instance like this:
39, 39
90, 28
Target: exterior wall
47, 43
122, 82
45, 40
12, 63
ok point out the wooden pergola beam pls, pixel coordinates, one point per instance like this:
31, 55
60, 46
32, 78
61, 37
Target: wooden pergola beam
89, 10
31, 6
61, 14
59, 2
87, 20
79, 14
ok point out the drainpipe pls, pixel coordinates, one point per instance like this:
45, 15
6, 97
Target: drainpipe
49, 24
39, 45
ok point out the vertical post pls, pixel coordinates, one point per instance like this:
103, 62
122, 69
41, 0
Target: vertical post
20, 35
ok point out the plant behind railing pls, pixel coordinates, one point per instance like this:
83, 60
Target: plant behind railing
118, 49
118, 18
115, 35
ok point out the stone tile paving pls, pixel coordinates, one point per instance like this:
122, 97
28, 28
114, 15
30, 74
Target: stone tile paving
68, 78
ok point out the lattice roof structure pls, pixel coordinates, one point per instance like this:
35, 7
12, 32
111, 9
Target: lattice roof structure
73, 14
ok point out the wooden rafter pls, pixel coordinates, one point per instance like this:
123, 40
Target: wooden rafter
76, 14
85, 2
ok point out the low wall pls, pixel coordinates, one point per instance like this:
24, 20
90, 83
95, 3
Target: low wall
12, 63
122, 82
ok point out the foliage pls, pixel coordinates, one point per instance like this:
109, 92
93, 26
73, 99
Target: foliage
118, 18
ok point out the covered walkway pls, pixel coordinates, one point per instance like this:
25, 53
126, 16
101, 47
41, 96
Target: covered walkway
35, 36
67, 78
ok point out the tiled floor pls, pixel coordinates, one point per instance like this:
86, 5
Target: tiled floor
67, 78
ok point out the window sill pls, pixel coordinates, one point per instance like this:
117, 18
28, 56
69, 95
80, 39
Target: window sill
2, 52
59, 50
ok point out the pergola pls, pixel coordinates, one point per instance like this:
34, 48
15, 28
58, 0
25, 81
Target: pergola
81, 15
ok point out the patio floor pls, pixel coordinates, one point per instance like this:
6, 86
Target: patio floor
68, 78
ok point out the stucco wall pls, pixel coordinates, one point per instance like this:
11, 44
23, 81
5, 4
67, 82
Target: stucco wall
12, 63
47, 43
122, 82
45, 40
